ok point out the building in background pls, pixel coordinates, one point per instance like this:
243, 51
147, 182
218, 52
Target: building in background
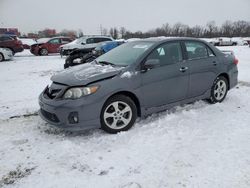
10, 31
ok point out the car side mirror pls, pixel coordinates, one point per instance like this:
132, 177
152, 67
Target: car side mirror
151, 63
83, 43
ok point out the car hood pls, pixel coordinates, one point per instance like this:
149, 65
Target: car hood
78, 46
85, 74
38, 43
71, 45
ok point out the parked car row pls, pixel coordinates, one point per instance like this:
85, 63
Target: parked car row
45, 46
65, 45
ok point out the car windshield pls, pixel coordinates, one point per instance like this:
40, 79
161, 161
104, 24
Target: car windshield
125, 54
43, 40
80, 40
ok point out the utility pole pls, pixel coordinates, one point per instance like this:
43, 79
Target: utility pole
101, 28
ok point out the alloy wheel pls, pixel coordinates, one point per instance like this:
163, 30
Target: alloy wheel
44, 52
220, 90
117, 115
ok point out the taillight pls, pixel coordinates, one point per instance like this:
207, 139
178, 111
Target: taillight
236, 61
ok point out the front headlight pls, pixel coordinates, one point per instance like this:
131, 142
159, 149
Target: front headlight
78, 92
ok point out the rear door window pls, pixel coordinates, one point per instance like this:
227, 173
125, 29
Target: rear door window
55, 41
105, 39
97, 40
197, 50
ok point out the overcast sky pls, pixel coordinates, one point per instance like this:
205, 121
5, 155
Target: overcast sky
88, 15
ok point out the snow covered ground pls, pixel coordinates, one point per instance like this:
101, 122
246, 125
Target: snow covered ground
196, 145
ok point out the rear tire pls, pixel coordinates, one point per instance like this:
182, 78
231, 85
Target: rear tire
1, 57
118, 114
219, 90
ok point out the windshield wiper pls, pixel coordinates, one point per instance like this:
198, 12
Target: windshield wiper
105, 63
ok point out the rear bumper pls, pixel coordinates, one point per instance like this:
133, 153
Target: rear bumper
233, 74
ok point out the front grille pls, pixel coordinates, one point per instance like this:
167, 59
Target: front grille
50, 116
54, 91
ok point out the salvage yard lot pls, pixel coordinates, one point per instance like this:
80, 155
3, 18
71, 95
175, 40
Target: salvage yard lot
196, 145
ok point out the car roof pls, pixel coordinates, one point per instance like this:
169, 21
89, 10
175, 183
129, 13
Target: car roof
96, 36
166, 39
59, 37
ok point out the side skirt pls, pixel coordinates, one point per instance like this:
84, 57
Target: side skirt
148, 111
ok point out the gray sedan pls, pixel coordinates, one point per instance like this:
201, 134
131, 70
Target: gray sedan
137, 79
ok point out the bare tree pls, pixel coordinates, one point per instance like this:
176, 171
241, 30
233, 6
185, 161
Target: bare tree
211, 29
122, 32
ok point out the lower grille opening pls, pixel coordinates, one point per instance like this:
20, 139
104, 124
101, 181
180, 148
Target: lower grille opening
50, 116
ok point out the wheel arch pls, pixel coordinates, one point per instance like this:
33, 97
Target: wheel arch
2, 55
131, 96
225, 75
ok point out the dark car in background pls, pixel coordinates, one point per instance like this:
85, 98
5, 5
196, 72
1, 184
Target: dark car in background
137, 79
89, 53
11, 42
49, 46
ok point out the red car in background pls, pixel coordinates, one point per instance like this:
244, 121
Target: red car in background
48, 46
11, 42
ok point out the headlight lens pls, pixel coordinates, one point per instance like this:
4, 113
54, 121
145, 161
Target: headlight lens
78, 92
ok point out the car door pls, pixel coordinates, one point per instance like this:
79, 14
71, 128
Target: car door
168, 82
203, 67
54, 45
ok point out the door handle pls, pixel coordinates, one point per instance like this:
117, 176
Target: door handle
183, 69
214, 63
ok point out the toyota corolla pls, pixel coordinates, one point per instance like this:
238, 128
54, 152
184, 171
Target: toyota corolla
137, 79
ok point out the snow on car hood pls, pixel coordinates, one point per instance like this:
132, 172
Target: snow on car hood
72, 45
85, 74
78, 46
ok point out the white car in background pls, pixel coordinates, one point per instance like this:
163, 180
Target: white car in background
225, 41
81, 42
5, 54
239, 41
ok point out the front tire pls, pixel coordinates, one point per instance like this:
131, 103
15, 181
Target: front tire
43, 52
219, 90
118, 114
